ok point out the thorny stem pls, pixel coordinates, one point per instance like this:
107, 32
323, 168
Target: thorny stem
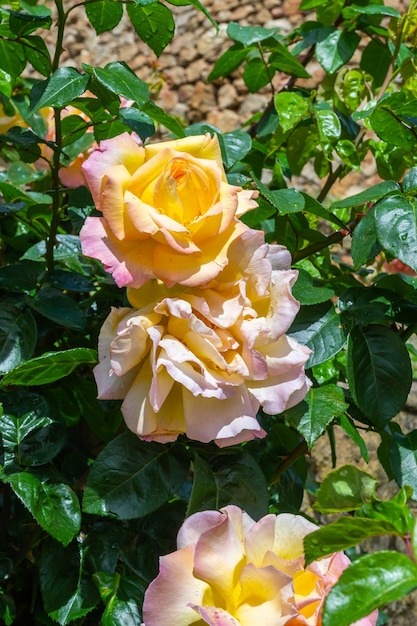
51, 239
300, 450
409, 547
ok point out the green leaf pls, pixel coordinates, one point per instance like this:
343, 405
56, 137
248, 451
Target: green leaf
403, 459
248, 35
291, 108
67, 590
316, 208
394, 121
37, 54
396, 227
65, 84
119, 78
302, 145
121, 613
365, 244
336, 49
394, 512
379, 372
159, 115
375, 61
306, 292
283, 60
229, 61
18, 335
285, 200
409, 184
12, 58
7, 608
318, 327
234, 146
58, 307
370, 582
22, 24
50, 367
345, 489
353, 434
329, 128
375, 9
104, 15
103, 417
54, 505
374, 193
344, 533
31, 439
154, 23
312, 416
138, 121
256, 75
131, 478
233, 479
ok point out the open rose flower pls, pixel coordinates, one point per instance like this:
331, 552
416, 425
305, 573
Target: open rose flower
229, 570
167, 210
202, 361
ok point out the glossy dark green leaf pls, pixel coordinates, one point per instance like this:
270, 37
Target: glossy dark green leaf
121, 613
336, 49
312, 416
12, 58
137, 121
30, 439
104, 15
154, 23
58, 307
283, 60
256, 75
396, 226
306, 292
403, 459
248, 35
394, 120
345, 489
70, 281
311, 205
229, 61
375, 60
375, 9
163, 118
103, 417
362, 307
131, 478
379, 372
235, 479
365, 244
394, 511
319, 327
291, 108
372, 194
18, 335
22, 24
37, 54
409, 184
367, 584
119, 78
50, 367
344, 533
329, 128
54, 505
285, 200
67, 590
65, 84
234, 146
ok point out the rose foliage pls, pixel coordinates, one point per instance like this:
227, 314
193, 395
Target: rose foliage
199, 325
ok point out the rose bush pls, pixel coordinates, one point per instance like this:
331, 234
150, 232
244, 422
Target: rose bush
168, 211
202, 361
229, 570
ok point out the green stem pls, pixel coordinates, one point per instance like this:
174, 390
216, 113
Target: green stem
56, 189
407, 332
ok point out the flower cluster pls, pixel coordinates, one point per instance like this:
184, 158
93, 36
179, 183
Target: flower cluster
229, 570
203, 344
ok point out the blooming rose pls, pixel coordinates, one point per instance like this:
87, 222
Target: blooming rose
202, 361
168, 211
230, 570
